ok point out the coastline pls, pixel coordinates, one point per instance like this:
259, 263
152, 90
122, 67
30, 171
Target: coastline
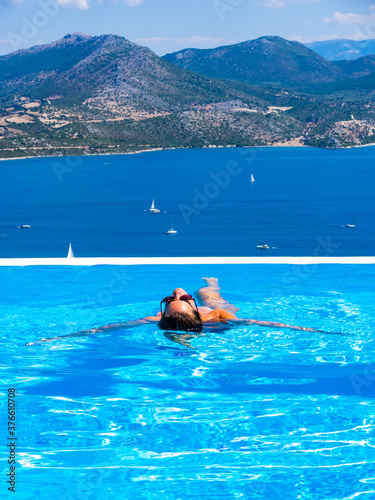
103, 154
279, 145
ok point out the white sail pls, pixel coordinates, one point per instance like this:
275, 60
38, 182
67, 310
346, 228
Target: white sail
252, 178
171, 231
70, 253
153, 204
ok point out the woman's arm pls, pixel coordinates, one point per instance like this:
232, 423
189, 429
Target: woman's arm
152, 319
273, 324
106, 328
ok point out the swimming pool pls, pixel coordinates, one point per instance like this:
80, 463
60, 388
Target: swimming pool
236, 412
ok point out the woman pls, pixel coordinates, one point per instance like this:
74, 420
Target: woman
180, 312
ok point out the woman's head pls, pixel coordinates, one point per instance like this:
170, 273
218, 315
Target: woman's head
180, 313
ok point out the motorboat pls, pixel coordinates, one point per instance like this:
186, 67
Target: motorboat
262, 247
24, 226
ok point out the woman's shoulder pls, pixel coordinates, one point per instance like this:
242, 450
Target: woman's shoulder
218, 314
153, 318
204, 310
211, 315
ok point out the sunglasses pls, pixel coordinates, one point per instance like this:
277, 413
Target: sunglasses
186, 298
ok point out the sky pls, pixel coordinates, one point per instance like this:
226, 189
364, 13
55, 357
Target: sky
170, 25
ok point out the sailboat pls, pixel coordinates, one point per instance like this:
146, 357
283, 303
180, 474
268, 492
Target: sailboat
171, 231
70, 253
252, 178
153, 210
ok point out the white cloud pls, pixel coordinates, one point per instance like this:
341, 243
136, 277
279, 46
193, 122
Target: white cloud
131, 3
272, 4
194, 40
349, 18
11, 3
276, 4
355, 37
309, 39
360, 36
161, 44
134, 3
75, 4
200, 39
155, 39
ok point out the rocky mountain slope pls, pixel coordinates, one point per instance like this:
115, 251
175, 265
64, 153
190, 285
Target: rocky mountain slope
80, 67
105, 94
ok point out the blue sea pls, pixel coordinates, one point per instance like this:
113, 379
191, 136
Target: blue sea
238, 411
298, 204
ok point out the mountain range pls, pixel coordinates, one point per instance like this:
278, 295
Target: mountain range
272, 61
80, 67
85, 95
343, 50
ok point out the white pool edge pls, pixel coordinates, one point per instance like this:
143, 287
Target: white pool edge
140, 261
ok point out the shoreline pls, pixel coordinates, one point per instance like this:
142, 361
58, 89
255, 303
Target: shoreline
84, 156
184, 147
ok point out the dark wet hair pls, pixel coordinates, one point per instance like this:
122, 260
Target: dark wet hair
181, 321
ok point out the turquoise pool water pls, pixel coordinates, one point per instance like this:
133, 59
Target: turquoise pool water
235, 412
